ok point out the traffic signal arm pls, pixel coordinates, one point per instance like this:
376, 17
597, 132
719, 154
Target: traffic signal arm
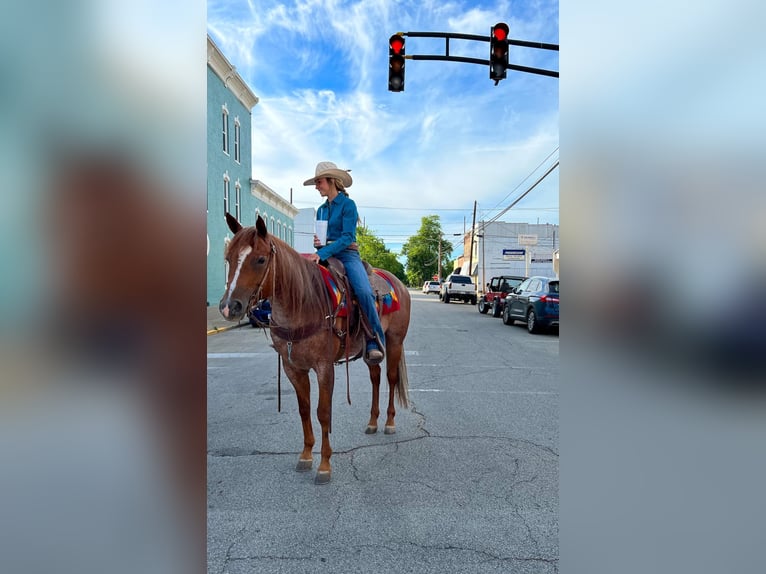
498, 62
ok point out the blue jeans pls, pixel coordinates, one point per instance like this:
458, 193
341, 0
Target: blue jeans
360, 283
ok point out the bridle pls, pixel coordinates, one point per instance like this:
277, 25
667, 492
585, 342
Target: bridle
256, 294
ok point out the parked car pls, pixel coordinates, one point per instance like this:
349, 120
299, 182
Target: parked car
431, 287
260, 314
536, 302
497, 290
458, 287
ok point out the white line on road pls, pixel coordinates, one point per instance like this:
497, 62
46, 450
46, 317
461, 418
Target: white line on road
474, 391
238, 355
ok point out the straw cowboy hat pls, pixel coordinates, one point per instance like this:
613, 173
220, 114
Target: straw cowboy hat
329, 169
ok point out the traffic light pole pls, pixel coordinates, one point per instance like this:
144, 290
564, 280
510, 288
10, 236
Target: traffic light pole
450, 35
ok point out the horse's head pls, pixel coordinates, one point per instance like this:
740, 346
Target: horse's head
249, 255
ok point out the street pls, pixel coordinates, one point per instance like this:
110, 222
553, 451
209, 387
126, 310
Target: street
469, 482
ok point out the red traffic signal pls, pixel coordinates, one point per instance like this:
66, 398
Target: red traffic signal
498, 52
396, 43
500, 31
396, 63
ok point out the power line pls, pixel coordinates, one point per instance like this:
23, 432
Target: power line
522, 181
523, 195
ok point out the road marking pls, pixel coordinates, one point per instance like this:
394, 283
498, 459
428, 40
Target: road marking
474, 391
238, 355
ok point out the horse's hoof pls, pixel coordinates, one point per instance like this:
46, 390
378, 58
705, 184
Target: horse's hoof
322, 477
370, 429
389, 430
304, 465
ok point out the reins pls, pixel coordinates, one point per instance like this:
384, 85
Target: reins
298, 334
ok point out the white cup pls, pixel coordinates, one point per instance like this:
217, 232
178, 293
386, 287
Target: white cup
320, 229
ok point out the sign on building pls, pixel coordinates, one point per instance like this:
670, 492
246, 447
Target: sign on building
514, 254
527, 239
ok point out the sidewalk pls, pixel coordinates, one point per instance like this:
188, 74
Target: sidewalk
216, 323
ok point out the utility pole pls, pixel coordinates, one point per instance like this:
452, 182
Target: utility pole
473, 225
483, 240
439, 272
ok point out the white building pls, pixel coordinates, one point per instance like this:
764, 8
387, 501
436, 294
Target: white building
304, 230
502, 248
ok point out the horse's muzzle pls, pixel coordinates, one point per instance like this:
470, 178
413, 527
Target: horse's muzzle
231, 310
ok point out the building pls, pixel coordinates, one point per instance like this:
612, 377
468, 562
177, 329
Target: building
304, 230
230, 186
502, 248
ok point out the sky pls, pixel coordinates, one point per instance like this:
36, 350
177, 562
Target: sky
320, 71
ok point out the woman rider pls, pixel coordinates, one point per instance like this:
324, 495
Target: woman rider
340, 212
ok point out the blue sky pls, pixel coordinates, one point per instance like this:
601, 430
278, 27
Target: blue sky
320, 71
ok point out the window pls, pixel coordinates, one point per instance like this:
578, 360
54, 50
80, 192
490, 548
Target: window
225, 127
237, 200
236, 140
226, 193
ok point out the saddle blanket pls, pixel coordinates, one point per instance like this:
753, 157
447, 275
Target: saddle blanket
389, 299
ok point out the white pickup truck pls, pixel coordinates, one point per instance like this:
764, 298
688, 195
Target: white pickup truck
458, 287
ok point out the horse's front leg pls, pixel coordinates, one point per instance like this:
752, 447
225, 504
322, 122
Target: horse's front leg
372, 424
302, 385
393, 356
326, 380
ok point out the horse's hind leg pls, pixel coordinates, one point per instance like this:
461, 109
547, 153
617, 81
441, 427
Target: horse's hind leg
302, 386
372, 425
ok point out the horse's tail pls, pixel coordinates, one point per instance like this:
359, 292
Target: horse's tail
402, 384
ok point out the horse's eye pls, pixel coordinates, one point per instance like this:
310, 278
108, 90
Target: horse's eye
261, 260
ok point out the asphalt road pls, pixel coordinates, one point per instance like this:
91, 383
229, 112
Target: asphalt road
469, 482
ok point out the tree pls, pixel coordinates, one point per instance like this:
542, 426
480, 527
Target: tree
373, 250
422, 252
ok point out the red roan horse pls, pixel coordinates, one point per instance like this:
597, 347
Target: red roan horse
304, 332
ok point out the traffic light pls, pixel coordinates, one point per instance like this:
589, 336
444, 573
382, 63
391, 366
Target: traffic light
498, 52
396, 63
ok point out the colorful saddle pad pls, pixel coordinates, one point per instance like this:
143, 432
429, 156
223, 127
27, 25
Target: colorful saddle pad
388, 297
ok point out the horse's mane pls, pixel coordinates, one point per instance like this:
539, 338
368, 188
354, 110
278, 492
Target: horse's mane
297, 282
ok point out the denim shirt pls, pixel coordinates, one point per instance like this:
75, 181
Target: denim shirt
341, 216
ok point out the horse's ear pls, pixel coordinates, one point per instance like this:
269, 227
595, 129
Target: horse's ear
260, 227
232, 222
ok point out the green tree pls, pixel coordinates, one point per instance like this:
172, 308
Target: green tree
422, 252
373, 250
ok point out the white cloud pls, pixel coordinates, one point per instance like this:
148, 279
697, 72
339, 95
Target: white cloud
450, 139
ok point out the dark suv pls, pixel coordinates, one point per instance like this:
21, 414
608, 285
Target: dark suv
536, 302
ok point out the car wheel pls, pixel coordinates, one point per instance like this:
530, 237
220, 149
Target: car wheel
446, 298
507, 319
496, 311
473, 300
532, 325
483, 307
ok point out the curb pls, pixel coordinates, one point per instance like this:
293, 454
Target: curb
215, 330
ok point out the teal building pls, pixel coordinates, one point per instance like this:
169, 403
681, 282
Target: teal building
230, 185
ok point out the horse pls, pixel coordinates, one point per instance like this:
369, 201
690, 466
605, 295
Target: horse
308, 333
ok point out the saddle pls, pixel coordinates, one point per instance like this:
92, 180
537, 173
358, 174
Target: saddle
348, 320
